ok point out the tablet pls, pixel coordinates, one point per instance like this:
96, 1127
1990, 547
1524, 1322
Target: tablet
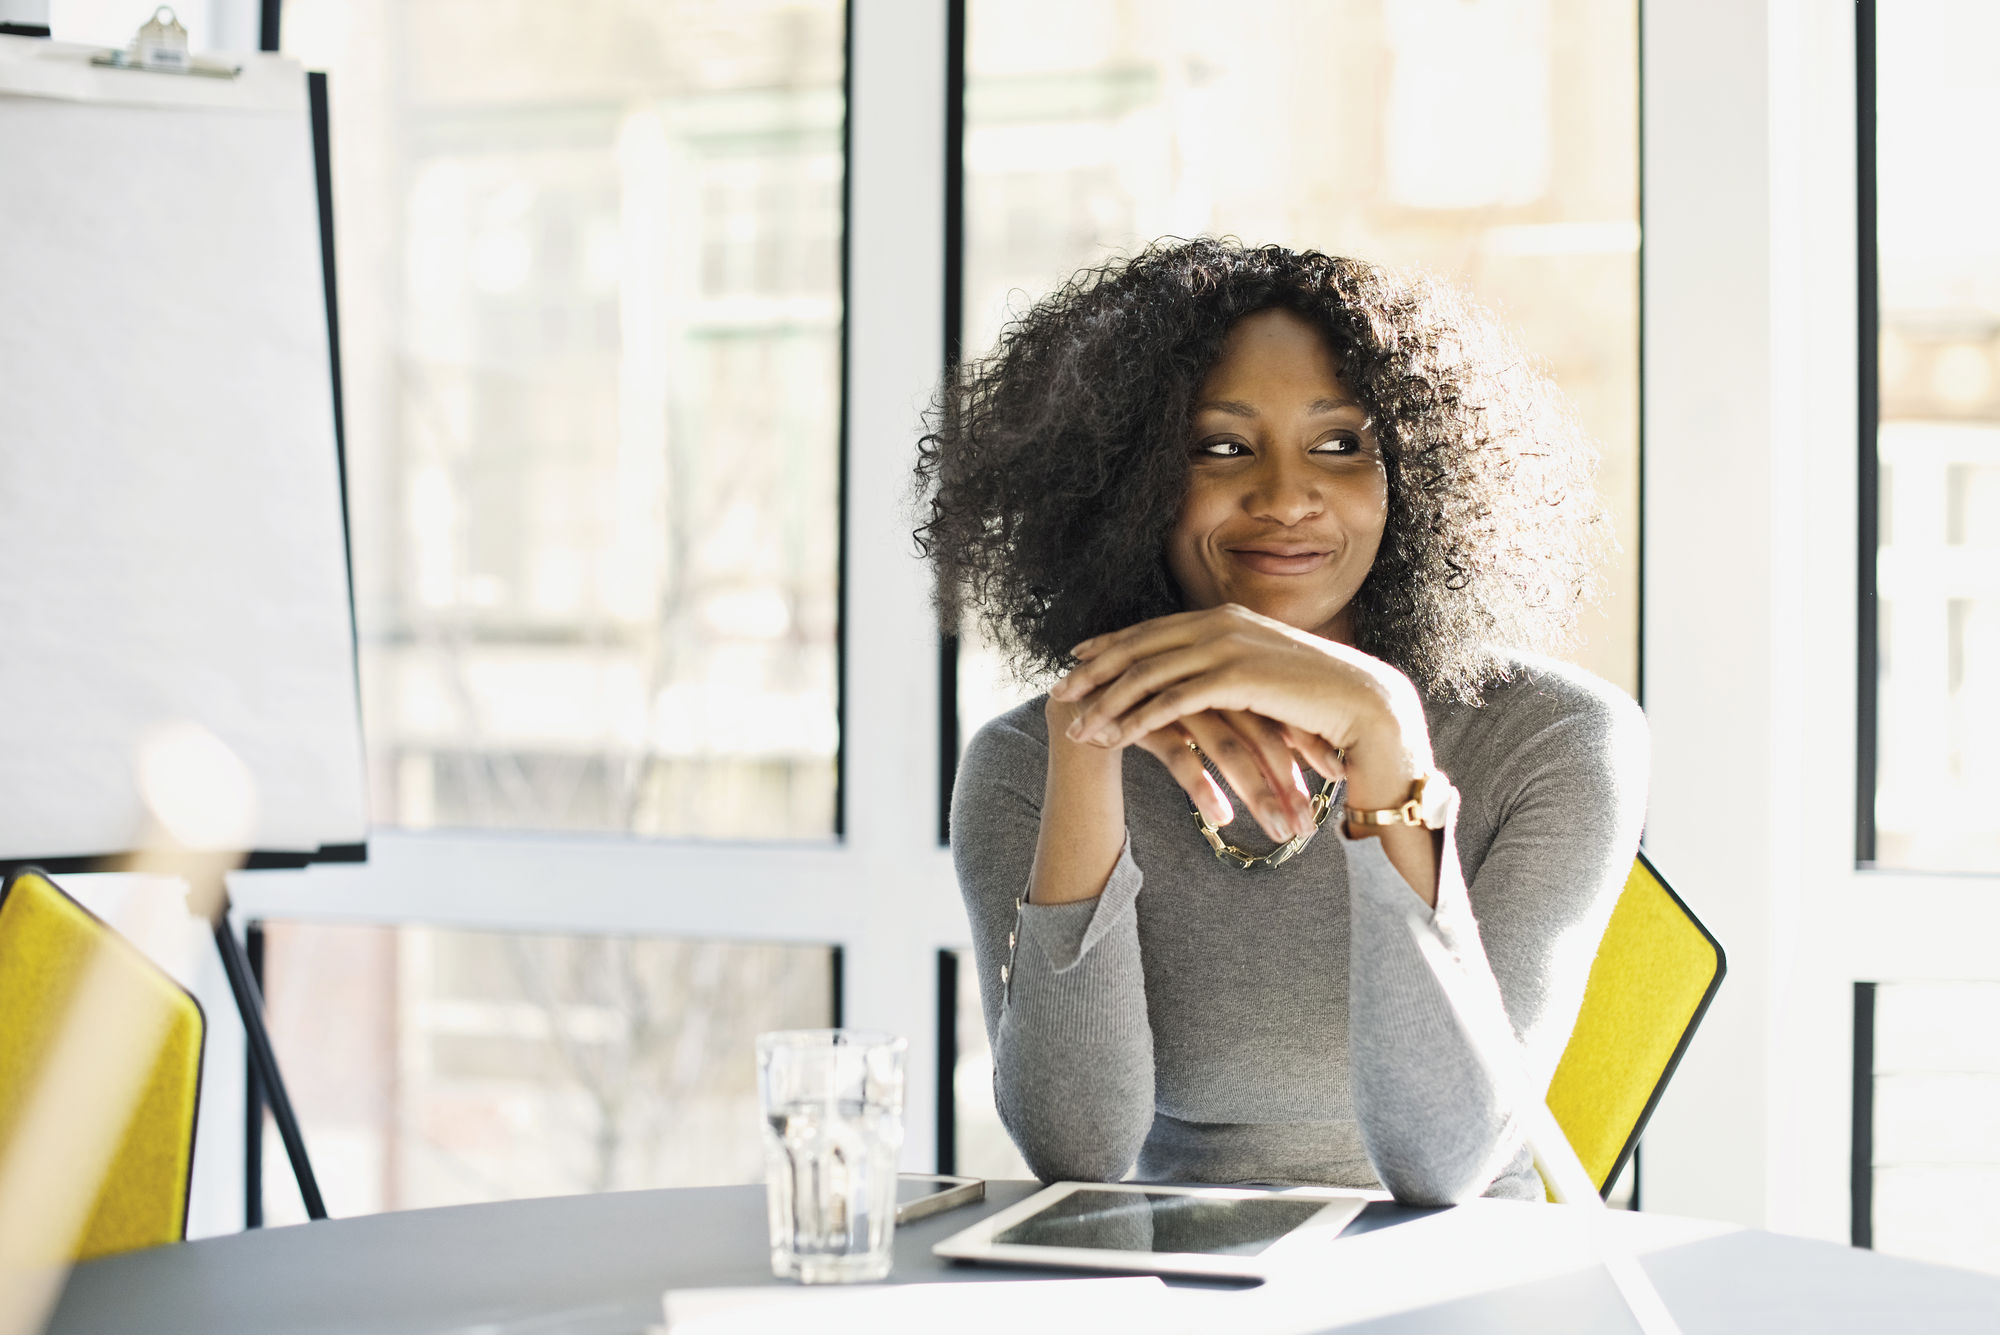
1238, 1232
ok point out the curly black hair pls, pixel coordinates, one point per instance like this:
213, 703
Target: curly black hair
1054, 466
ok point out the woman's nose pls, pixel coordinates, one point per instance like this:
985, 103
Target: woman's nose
1285, 494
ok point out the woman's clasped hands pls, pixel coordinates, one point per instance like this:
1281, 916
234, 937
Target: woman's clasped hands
1258, 697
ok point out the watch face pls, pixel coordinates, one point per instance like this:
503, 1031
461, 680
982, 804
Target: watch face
1434, 802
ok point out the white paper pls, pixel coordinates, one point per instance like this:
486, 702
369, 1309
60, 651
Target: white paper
1006, 1307
170, 535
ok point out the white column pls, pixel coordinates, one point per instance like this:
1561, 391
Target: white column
1750, 459
895, 298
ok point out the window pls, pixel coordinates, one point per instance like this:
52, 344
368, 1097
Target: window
437, 1067
1494, 142
980, 1144
1926, 1072
1936, 748
590, 307
1935, 1157
591, 314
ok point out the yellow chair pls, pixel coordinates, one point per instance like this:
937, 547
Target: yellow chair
1656, 971
47, 941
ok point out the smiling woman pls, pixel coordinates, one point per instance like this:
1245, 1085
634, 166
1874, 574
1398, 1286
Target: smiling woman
1306, 517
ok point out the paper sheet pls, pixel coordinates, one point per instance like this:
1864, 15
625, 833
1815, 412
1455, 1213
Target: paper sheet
170, 529
996, 1308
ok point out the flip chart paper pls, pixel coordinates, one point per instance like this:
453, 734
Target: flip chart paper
170, 525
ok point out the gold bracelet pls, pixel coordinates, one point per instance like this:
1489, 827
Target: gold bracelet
1424, 807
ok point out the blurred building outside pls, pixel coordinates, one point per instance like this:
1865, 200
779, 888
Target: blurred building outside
1937, 803
438, 1067
1936, 1084
589, 262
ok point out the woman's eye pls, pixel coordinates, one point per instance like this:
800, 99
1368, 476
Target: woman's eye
1338, 445
1220, 449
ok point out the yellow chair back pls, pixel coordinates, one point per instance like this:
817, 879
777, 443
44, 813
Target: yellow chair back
1656, 971
47, 942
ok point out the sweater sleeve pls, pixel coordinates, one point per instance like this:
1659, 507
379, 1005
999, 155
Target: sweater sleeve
1061, 987
1524, 932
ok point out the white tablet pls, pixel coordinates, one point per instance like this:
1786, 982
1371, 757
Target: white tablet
1227, 1231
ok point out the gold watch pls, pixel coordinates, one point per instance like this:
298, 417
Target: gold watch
1427, 806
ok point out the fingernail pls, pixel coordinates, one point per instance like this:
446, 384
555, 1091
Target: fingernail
1075, 730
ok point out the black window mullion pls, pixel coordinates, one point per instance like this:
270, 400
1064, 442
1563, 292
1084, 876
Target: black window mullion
1868, 331
954, 334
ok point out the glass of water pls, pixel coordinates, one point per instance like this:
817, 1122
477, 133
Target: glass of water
833, 1132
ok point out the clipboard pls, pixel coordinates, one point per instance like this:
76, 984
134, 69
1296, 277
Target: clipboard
161, 47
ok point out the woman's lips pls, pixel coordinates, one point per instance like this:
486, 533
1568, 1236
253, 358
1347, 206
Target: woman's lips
1266, 562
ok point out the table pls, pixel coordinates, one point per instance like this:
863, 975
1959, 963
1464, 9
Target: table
597, 1265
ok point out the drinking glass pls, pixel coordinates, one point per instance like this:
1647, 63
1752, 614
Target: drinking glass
833, 1132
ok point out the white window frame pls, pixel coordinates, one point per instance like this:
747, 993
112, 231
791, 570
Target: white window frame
1751, 609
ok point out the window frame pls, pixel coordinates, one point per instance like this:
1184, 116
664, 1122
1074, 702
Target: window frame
1917, 895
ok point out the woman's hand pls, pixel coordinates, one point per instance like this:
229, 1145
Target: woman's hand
1250, 752
1253, 756
1250, 691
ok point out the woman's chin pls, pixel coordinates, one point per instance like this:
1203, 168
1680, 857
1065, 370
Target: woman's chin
1316, 616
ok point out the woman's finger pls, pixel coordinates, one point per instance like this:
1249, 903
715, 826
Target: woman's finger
1170, 704
1143, 678
1235, 757
1281, 767
1326, 759
1170, 747
1102, 659
1174, 623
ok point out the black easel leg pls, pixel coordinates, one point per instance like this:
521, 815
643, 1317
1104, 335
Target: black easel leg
253, 1098
250, 1005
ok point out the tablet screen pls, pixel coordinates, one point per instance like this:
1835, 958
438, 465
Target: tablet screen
1131, 1221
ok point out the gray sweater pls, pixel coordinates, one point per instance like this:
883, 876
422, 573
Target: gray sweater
1208, 1024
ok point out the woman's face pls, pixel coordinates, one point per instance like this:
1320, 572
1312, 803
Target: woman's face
1287, 494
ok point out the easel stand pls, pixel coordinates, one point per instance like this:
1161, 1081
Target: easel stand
263, 1060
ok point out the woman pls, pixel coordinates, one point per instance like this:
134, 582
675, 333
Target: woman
1285, 525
